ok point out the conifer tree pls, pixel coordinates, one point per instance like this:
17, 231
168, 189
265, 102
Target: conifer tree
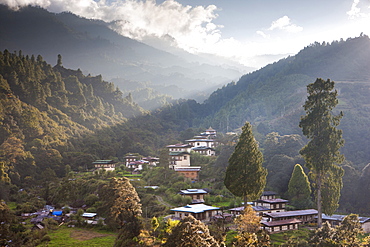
322, 151
245, 176
299, 188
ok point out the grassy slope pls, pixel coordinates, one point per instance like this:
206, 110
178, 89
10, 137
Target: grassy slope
76, 237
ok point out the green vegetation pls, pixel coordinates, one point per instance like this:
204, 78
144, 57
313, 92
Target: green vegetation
70, 237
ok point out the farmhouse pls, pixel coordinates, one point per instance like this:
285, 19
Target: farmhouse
197, 195
336, 220
108, 165
305, 216
199, 211
189, 172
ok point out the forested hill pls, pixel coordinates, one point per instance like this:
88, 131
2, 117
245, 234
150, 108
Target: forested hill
95, 48
42, 107
272, 97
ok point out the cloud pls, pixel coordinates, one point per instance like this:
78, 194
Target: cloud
285, 24
190, 28
263, 34
359, 10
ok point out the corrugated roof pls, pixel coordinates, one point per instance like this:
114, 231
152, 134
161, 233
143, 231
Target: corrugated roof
292, 213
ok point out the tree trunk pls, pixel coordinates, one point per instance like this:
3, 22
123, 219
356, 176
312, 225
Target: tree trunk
319, 208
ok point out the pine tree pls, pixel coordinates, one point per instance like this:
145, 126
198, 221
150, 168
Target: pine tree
245, 176
299, 188
322, 151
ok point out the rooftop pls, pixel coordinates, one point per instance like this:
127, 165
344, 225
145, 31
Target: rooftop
281, 222
292, 213
193, 191
195, 208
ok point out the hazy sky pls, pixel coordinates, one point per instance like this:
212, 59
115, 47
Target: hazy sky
248, 31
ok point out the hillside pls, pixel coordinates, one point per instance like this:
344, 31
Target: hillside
95, 48
272, 97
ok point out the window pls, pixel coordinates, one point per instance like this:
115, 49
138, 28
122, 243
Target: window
185, 157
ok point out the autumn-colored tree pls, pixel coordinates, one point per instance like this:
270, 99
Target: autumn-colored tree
248, 226
190, 232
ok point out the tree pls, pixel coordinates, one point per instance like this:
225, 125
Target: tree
322, 153
245, 176
248, 227
121, 202
299, 188
191, 232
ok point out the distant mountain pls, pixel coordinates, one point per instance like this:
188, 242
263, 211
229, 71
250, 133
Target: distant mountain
272, 97
96, 49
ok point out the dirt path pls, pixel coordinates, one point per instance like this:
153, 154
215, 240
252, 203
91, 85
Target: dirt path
161, 201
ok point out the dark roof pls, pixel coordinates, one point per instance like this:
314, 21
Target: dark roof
281, 222
337, 217
201, 148
104, 162
269, 193
292, 213
177, 153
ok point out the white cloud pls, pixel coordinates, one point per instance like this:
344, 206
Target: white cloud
284, 23
359, 10
263, 34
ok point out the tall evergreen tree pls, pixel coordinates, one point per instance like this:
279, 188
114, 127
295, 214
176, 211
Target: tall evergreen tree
245, 176
299, 188
322, 151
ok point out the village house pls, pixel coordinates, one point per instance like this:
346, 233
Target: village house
199, 211
189, 172
131, 158
337, 219
204, 150
108, 165
306, 215
281, 225
179, 155
196, 195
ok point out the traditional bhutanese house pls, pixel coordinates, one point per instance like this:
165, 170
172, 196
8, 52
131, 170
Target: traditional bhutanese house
152, 161
189, 172
196, 195
108, 165
131, 158
306, 216
274, 205
179, 148
280, 225
137, 165
201, 142
199, 211
204, 151
179, 159
336, 220
266, 195
210, 132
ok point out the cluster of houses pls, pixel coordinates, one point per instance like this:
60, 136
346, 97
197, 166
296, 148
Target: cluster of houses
179, 156
60, 216
274, 217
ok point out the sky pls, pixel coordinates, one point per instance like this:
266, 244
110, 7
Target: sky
251, 32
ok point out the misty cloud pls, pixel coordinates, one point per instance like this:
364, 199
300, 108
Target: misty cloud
359, 9
189, 28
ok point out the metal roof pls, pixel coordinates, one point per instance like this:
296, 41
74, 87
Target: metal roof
281, 222
193, 191
292, 213
195, 208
